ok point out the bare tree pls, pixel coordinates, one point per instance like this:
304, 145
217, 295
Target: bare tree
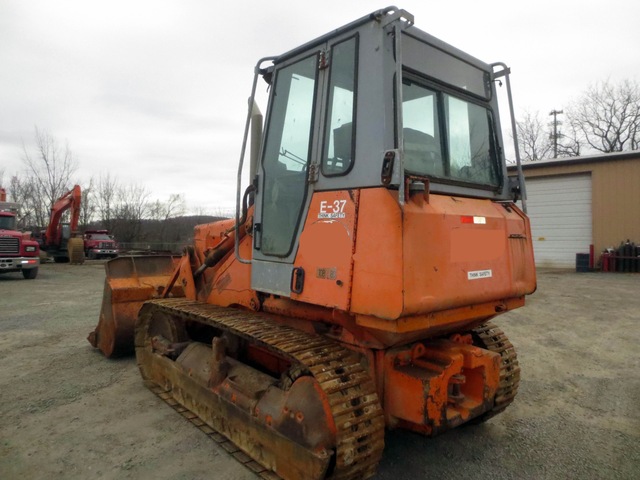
607, 116
33, 211
18, 192
570, 144
131, 209
533, 137
173, 207
162, 211
199, 211
49, 170
105, 199
87, 205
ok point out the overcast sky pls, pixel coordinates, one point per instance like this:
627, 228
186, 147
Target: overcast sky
155, 92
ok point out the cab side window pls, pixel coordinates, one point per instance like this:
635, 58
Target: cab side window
339, 135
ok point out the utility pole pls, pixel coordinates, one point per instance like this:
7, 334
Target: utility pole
555, 135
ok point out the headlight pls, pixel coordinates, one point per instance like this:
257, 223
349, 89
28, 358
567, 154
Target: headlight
30, 249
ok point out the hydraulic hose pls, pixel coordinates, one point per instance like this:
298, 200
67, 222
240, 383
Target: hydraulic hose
215, 255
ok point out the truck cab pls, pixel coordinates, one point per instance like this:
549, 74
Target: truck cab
99, 244
18, 251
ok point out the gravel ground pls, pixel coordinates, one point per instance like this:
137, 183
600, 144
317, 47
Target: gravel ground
66, 412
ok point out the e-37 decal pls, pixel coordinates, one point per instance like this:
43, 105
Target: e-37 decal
333, 209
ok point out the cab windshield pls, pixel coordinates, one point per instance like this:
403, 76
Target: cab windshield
7, 223
98, 236
448, 138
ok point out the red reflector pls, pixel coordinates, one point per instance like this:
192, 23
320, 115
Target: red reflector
471, 219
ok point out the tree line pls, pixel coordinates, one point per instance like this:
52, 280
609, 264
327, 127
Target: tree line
605, 118
125, 209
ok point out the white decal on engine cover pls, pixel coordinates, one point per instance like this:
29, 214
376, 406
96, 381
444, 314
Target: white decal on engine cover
479, 274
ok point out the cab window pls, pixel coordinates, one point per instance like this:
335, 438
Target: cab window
286, 155
339, 145
447, 137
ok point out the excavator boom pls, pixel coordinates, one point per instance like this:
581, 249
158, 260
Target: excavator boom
69, 201
63, 241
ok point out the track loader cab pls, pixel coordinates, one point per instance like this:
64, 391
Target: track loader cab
382, 188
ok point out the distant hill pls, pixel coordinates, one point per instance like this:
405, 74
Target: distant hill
170, 235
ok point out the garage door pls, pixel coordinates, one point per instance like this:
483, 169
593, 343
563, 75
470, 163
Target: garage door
560, 211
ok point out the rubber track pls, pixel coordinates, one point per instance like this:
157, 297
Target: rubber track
221, 440
351, 392
494, 339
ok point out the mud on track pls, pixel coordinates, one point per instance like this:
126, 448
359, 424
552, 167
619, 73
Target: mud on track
66, 412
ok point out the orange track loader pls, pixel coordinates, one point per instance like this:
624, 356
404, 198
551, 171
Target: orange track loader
378, 239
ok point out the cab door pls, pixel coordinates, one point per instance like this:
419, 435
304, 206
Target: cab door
290, 148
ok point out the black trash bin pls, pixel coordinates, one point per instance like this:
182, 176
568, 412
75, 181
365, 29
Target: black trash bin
582, 262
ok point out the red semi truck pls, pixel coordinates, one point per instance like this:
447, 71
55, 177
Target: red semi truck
18, 251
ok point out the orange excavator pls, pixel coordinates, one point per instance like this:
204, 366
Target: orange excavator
62, 240
355, 288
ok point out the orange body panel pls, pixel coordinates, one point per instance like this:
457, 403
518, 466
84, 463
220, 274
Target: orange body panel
378, 258
416, 327
210, 235
228, 282
459, 252
326, 249
454, 255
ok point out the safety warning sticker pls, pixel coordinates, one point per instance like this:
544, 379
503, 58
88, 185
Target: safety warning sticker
478, 274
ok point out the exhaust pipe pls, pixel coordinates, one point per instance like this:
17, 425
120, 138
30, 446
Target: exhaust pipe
256, 139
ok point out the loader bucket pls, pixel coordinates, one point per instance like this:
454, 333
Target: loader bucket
129, 282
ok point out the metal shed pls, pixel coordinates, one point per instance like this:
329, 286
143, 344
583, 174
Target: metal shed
579, 201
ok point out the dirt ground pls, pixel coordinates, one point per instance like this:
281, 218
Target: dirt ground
66, 412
